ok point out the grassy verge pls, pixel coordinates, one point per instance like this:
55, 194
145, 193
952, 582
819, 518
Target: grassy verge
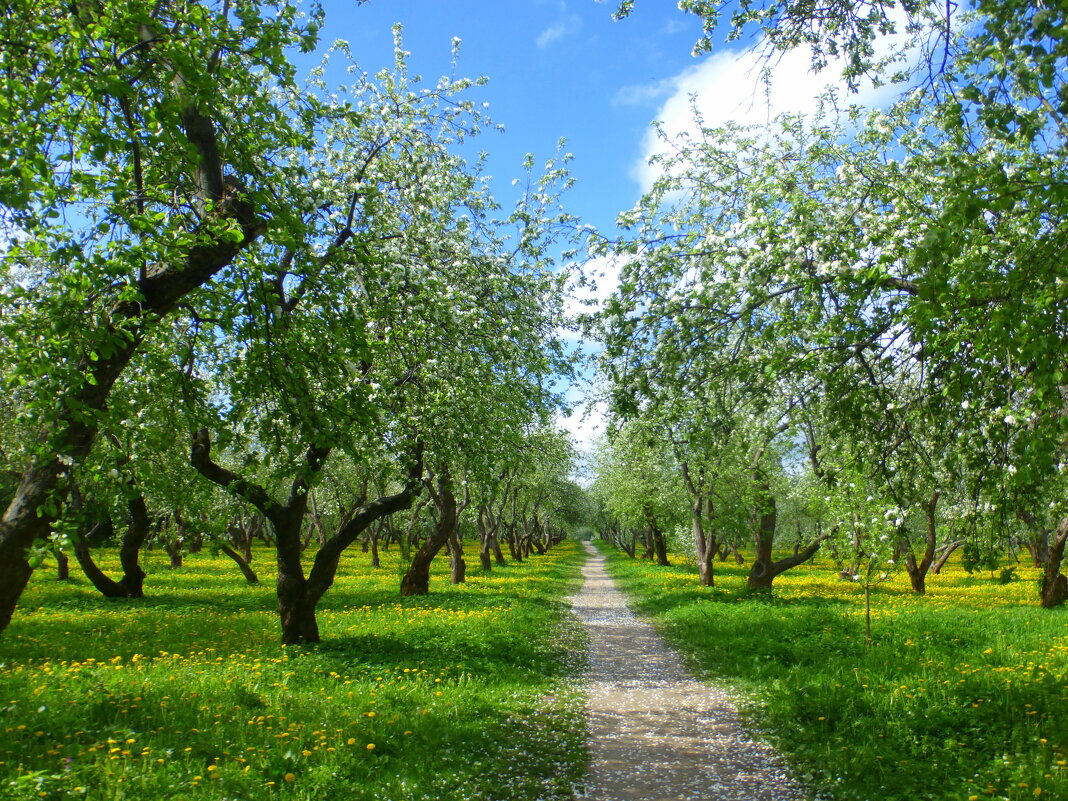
463, 694
964, 694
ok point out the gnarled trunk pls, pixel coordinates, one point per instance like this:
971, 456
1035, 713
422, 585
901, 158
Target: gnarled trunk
296, 607
764, 570
241, 562
495, 545
1055, 583
947, 552
1037, 544
514, 548
416, 580
174, 552
659, 545
918, 569
704, 542
457, 564
132, 583
763, 573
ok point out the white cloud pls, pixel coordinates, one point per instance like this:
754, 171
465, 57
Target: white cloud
673, 26
600, 279
588, 417
567, 24
644, 93
730, 85
585, 424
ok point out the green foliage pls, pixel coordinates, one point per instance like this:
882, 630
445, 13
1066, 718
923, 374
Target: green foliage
876, 285
831, 29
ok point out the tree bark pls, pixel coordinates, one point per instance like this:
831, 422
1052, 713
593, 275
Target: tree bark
936, 568
495, 546
762, 573
917, 570
1037, 545
487, 527
241, 562
132, 583
457, 564
647, 541
296, 608
514, 549
1055, 583
174, 552
765, 568
659, 545
417, 580
704, 543
242, 534
62, 566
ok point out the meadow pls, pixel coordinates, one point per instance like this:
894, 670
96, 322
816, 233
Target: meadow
468, 693
963, 694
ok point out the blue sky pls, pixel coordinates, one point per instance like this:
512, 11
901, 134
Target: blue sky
556, 69
566, 69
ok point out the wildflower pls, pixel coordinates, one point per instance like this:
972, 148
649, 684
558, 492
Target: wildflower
370, 746
289, 777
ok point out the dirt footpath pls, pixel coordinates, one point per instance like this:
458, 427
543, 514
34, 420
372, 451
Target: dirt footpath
656, 733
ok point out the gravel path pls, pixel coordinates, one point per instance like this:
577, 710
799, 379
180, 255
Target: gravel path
656, 733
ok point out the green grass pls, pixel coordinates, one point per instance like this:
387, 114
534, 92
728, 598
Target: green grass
963, 695
467, 693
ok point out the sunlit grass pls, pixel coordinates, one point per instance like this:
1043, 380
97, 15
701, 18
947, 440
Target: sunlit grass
466, 693
964, 694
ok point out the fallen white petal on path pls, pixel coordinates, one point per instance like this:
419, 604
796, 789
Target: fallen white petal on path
656, 733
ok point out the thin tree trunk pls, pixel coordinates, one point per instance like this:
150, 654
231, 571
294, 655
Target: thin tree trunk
936, 568
486, 529
375, 560
704, 543
62, 566
242, 563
